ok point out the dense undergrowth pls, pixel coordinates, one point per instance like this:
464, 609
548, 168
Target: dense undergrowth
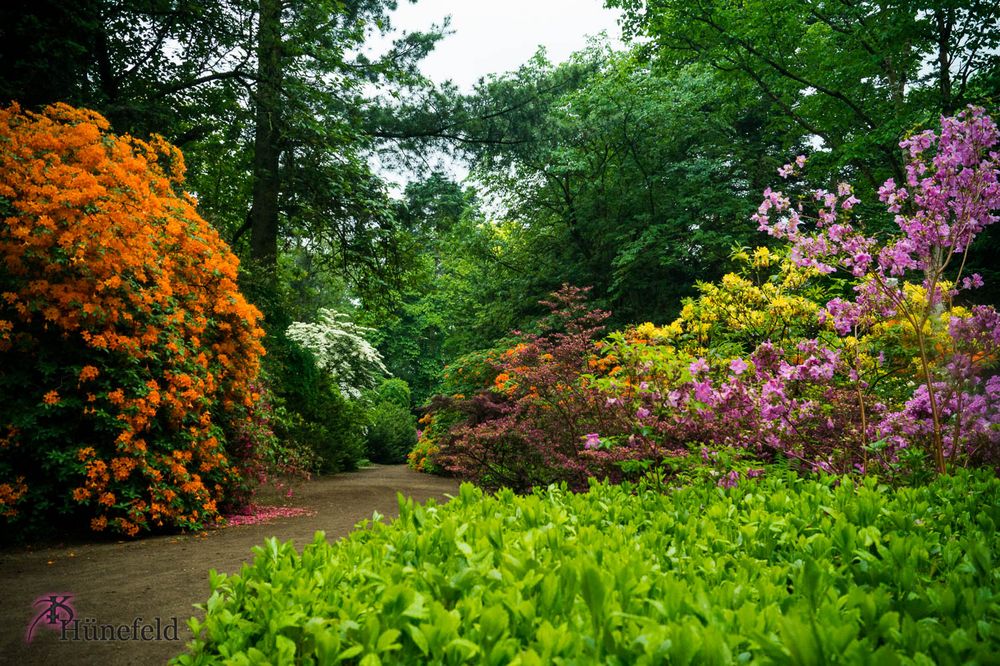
776, 570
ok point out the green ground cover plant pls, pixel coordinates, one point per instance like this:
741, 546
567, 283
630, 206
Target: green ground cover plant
778, 569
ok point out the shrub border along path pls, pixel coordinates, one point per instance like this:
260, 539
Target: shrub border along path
778, 570
116, 582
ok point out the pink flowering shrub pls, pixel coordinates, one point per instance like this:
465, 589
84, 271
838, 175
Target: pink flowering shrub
951, 195
773, 404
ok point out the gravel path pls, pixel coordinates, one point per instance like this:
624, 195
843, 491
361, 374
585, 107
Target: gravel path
162, 577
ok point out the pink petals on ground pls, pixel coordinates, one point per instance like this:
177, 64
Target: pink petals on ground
263, 514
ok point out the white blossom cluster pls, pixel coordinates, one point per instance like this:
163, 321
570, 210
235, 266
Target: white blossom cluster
340, 348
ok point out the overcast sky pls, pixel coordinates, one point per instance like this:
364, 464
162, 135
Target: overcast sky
493, 36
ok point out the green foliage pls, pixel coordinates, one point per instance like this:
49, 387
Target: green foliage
395, 391
630, 179
140, 62
459, 294
317, 416
855, 76
391, 434
392, 428
471, 372
779, 570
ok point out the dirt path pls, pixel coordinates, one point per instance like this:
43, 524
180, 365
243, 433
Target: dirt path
162, 577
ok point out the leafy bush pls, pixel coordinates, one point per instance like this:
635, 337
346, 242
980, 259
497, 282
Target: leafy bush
423, 456
336, 438
126, 349
767, 298
391, 434
311, 416
396, 391
318, 417
467, 375
777, 570
533, 426
328, 369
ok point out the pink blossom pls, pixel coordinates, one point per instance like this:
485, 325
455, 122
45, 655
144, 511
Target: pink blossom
730, 480
698, 366
974, 281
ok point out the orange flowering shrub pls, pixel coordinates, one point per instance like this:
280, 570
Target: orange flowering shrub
126, 348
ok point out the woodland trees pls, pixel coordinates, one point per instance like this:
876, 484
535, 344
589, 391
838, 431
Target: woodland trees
855, 75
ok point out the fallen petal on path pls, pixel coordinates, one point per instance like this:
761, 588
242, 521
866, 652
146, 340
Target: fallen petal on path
262, 514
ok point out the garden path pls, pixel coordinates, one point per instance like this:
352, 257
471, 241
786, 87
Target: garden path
116, 582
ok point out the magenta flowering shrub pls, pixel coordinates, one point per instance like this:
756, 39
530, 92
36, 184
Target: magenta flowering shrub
951, 195
773, 404
967, 397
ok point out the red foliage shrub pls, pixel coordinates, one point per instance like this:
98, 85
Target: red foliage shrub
539, 423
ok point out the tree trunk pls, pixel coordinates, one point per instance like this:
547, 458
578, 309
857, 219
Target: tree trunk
945, 20
267, 139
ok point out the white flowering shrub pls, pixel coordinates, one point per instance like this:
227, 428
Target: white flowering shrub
340, 348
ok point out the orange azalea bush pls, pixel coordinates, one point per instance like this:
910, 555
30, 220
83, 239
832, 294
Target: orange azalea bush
126, 348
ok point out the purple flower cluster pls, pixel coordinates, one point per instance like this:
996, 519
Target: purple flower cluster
771, 403
950, 196
974, 416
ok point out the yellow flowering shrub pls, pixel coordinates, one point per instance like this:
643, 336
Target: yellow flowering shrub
767, 298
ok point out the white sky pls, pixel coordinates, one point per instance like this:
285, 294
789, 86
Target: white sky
492, 36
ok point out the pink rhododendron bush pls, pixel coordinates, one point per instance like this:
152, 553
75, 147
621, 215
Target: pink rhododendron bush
848, 349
